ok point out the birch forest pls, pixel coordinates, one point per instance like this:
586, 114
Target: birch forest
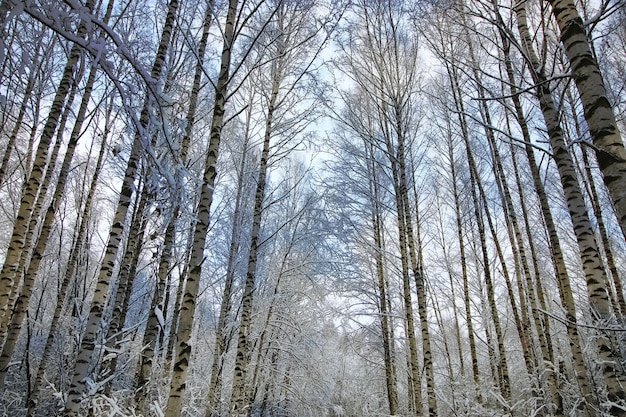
312, 208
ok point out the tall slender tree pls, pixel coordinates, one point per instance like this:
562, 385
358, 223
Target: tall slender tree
85, 359
605, 134
8, 275
192, 281
595, 274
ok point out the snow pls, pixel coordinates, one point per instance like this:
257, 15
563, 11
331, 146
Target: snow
159, 316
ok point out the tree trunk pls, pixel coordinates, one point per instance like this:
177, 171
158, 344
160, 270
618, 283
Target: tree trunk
541, 326
222, 339
239, 400
159, 303
21, 305
565, 290
605, 134
127, 274
415, 386
595, 275
188, 305
31, 188
420, 288
464, 274
502, 367
619, 304
70, 271
377, 230
154, 325
89, 341
30, 85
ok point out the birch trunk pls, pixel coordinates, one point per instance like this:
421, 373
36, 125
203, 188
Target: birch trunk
565, 290
377, 229
32, 230
239, 398
34, 400
502, 367
28, 90
188, 305
605, 134
620, 307
463, 261
87, 352
520, 315
595, 274
126, 277
222, 339
21, 306
415, 386
154, 326
31, 188
158, 303
619, 304
445, 247
418, 273
541, 326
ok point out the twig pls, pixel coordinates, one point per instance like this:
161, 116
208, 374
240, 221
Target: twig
588, 326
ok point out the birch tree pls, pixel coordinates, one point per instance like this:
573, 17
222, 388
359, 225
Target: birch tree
192, 282
88, 344
8, 276
605, 134
593, 269
291, 45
